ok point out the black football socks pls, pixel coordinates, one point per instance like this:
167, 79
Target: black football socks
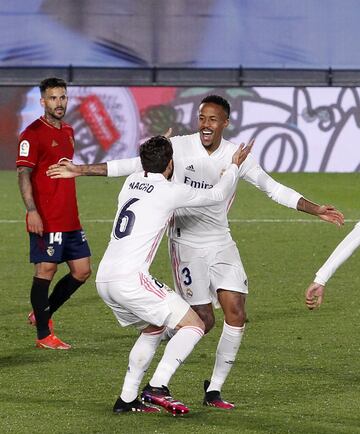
63, 290
40, 303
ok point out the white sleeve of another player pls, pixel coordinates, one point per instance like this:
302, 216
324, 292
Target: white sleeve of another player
342, 252
192, 197
124, 167
253, 173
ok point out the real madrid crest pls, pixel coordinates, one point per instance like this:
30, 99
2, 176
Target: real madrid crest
50, 250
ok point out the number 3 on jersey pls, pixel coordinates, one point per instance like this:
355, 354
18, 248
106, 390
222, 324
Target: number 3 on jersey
125, 220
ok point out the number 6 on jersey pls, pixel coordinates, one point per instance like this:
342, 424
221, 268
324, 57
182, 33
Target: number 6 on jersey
125, 220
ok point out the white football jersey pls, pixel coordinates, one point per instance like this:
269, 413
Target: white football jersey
193, 166
145, 206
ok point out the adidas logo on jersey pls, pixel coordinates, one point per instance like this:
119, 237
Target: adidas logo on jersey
191, 168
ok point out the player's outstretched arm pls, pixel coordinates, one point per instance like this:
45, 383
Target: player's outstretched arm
67, 169
314, 295
343, 251
327, 213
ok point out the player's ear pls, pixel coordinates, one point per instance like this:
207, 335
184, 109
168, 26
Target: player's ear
169, 169
42, 102
170, 166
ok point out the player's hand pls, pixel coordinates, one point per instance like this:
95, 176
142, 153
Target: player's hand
63, 169
35, 223
168, 133
242, 152
330, 214
314, 295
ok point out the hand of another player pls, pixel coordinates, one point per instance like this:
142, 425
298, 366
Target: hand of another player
330, 214
63, 169
314, 295
35, 223
242, 152
168, 133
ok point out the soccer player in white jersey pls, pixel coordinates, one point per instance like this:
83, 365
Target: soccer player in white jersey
315, 293
146, 204
206, 264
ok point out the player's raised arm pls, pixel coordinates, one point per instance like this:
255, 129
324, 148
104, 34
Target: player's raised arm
242, 152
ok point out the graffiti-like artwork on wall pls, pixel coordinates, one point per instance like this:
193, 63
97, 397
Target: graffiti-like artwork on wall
295, 129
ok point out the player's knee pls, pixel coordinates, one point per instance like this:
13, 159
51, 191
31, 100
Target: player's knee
45, 270
242, 318
86, 274
206, 315
236, 317
82, 275
200, 324
191, 319
209, 323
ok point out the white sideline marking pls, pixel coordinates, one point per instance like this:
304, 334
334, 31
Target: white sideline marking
314, 220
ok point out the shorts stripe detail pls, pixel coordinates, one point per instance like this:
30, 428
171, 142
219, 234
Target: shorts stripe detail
147, 284
175, 265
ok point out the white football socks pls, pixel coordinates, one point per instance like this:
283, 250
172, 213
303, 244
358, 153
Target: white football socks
176, 351
227, 349
140, 358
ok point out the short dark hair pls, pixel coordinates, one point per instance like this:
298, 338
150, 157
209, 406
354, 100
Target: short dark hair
155, 154
50, 83
218, 100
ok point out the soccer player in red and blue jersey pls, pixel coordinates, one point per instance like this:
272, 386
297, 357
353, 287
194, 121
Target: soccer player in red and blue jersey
52, 218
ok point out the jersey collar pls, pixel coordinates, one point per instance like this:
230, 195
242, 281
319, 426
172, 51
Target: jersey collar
153, 176
216, 152
43, 119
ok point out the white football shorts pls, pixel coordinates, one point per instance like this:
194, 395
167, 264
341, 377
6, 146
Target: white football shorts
140, 300
199, 273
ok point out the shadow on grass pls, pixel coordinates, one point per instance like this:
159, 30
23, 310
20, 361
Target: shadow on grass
25, 357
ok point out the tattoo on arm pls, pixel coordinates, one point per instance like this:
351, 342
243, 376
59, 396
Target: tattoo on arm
93, 169
24, 180
307, 206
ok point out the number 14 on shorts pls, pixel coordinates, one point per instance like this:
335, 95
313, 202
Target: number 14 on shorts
55, 237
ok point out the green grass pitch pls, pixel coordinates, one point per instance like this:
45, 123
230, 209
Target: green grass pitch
297, 371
